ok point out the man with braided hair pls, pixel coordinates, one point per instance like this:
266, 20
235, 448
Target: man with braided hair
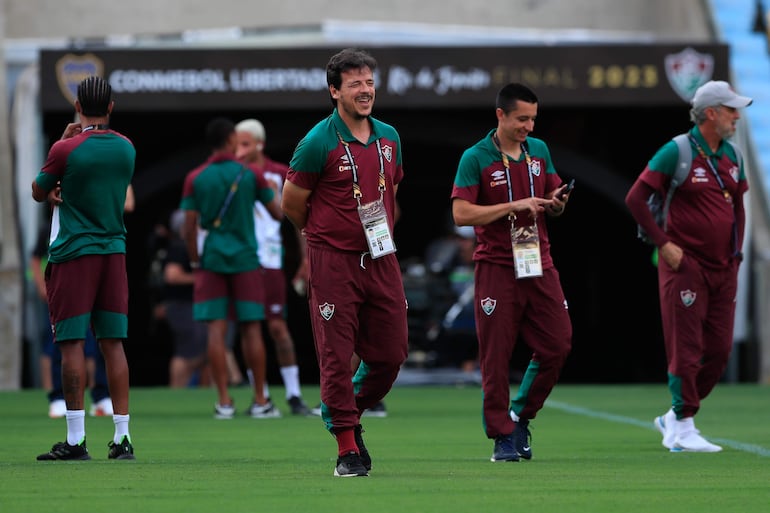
85, 177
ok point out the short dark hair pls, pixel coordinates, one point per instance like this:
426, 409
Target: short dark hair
344, 60
511, 93
218, 131
94, 96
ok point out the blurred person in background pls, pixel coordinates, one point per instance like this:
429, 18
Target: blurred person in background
251, 145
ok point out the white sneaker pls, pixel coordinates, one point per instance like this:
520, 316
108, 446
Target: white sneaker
57, 408
102, 408
666, 424
224, 411
266, 411
688, 438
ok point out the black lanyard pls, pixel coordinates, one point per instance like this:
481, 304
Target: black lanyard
713, 169
728, 197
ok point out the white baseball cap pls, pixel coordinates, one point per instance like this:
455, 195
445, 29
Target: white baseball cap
718, 92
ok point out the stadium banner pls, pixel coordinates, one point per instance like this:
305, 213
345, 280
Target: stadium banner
406, 77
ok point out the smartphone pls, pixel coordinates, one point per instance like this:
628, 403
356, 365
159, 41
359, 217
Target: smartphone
570, 186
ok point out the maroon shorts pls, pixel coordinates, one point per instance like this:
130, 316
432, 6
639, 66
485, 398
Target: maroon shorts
91, 290
237, 296
275, 293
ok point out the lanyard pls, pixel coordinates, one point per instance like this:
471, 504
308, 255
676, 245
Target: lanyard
527, 157
95, 127
356, 186
725, 192
714, 171
229, 198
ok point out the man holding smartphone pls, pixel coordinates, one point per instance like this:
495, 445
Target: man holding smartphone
503, 184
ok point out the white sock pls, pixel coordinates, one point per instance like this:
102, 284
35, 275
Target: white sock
265, 390
121, 428
290, 375
76, 426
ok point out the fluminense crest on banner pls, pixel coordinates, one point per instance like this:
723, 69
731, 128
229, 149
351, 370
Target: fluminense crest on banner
72, 69
687, 71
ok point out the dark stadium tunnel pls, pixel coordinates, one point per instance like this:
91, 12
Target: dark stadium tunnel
606, 272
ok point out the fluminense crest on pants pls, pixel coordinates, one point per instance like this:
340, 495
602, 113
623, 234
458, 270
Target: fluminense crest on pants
488, 305
687, 296
327, 311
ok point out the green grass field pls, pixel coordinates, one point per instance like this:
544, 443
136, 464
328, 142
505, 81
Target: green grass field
595, 450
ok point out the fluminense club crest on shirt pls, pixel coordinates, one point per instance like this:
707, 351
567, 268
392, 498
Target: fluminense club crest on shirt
488, 305
687, 71
687, 297
72, 69
327, 310
387, 152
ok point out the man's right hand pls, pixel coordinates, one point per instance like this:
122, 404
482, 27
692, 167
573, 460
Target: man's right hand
72, 130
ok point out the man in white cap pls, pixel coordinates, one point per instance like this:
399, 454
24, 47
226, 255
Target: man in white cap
699, 255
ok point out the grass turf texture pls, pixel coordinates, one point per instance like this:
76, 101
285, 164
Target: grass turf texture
595, 450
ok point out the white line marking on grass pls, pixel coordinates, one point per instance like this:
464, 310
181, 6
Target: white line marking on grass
578, 410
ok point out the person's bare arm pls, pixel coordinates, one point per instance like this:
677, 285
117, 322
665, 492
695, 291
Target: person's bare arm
294, 204
300, 278
175, 274
274, 208
37, 275
466, 213
130, 203
190, 235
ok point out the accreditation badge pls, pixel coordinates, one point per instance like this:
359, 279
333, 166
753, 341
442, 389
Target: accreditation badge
526, 251
374, 219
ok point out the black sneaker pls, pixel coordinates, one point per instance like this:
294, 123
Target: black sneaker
65, 451
504, 450
298, 406
350, 465
378, 410
122, 451
366, 460
522, 439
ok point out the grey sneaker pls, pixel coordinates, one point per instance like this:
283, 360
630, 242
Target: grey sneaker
350, 465
378, 410
298, 406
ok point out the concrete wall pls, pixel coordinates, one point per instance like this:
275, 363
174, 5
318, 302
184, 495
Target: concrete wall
667, 19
